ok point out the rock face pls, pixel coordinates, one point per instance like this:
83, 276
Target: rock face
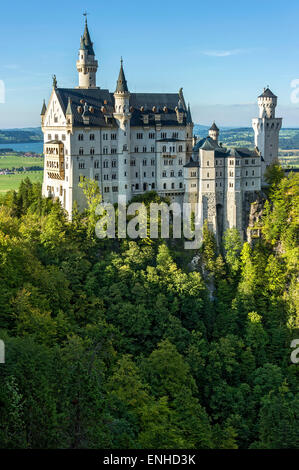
252, 215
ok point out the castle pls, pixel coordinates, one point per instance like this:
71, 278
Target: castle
131, 143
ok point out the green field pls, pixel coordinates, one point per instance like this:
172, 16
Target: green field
8, 182
18, 161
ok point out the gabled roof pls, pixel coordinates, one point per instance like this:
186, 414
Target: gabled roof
141, 104
101, 100
267, 93
243, 152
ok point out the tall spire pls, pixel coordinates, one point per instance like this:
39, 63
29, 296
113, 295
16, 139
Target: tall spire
86, 42
44, 109
69, 106
188, 117
121, 85
86, 64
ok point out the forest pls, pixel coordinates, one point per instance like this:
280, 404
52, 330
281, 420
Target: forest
121, 344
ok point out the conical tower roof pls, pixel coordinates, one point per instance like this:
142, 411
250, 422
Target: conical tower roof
69, 107
121, 84
214, 127
189, 117
86, 41
267, 93
44, 109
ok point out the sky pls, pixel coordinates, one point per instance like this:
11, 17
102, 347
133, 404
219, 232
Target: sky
223, 53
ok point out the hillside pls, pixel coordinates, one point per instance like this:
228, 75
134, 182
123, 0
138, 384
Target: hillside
244, 137
116, 344
14, 136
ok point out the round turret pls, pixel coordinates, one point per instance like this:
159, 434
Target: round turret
267, 102
214, 132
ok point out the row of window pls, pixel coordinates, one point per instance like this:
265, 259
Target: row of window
231, 185
113, 136
170, 162
164, 174
172, 186
172, 148
56, 137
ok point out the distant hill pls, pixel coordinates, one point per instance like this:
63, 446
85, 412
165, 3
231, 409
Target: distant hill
14, 136
244, 137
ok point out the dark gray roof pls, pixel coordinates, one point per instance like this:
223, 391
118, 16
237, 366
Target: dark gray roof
86, 41
121, 84
214, 127
243, 152
192, 164
267, 93
207, 145
189, 117
101, 100
44, 109
141, 104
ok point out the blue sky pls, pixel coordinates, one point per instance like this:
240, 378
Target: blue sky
221, 52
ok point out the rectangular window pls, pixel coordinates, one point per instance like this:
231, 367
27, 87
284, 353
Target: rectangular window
139, 135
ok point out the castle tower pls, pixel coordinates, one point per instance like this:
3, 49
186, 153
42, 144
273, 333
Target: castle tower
266, 128
214, 132
122, 115
87, 66
189, 133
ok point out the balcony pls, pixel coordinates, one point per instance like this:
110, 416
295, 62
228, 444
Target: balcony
54, 159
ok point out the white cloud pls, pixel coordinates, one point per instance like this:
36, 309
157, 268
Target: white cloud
227, 53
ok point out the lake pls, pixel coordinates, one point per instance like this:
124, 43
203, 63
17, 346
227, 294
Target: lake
36, 147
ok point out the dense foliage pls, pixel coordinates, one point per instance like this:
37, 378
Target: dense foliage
120, 344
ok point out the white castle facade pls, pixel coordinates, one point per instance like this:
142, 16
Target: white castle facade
131, 143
